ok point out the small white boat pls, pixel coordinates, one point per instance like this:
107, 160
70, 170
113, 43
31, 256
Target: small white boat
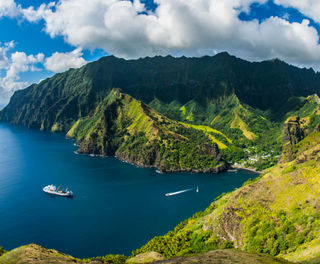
51, 189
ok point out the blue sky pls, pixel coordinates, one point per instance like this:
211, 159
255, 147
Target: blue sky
39, 38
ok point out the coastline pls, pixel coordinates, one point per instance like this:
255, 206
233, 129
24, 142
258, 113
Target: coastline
219, 169
238, 167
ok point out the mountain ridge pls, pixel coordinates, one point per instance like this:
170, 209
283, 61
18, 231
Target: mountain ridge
245, 101
65, 97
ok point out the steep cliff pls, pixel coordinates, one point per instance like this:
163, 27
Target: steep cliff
293, 131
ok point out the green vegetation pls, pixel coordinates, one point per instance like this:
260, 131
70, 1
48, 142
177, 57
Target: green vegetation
2, 251
211, 133
278, 234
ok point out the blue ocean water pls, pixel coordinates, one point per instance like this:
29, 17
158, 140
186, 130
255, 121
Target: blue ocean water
117, 207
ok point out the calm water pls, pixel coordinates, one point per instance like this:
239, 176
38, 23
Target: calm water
117, 207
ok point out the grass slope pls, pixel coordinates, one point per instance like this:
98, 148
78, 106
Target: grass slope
210, 132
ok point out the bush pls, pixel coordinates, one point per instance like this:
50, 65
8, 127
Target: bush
2, 251
277, 234
183, 243
111, 259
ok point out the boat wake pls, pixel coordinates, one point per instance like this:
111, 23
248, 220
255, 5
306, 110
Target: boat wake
183, 191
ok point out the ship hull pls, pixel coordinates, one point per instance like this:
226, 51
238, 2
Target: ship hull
57, 193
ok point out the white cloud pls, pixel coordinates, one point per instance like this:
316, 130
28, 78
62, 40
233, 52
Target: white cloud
9, 8
33, 15
60, 62
193, 27
3, 53
13, 65
310, 8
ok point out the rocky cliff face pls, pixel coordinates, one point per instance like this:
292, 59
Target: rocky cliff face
292, 130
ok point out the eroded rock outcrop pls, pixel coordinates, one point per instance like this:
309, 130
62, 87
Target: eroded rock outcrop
292, 130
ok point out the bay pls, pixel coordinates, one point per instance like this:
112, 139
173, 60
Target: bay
117, 207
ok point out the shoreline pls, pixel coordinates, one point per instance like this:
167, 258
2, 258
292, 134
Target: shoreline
219, 169
246, 168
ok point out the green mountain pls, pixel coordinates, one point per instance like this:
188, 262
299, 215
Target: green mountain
197, 87
134, 132
246, 102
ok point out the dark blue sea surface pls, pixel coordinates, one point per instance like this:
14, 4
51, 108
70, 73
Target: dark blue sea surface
117, 207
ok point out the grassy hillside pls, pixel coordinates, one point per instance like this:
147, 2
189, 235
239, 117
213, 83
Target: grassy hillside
134, 132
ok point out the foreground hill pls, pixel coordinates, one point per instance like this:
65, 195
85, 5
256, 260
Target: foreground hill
34, 254
38, 255
134, 132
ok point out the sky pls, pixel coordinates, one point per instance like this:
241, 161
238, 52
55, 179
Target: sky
39, 38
